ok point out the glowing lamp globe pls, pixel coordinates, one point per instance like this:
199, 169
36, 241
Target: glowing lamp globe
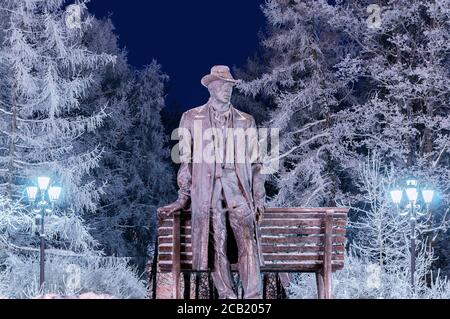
32, 193
54, 193
43, 183
428, 195
396, 196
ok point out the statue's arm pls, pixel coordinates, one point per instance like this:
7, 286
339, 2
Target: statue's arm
184, 179
258, 179
184, 176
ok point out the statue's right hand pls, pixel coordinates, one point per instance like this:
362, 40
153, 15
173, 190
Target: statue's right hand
169, 210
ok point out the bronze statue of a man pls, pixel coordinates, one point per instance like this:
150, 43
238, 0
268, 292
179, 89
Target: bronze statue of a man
227, 190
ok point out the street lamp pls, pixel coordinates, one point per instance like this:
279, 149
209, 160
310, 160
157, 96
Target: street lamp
43, 199
412, 192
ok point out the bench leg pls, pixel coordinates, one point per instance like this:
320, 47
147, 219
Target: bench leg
327, 284
265, 286
187, 285
176, 256
320, 285
327, 262
278, 282
176, 284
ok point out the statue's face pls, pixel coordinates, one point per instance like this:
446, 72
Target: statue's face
221, 91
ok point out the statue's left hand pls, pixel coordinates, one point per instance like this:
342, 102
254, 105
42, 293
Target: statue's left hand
169, 210
259, 213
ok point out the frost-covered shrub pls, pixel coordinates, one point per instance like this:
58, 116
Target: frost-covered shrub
352, 282
73, 263
361, 279
67, 276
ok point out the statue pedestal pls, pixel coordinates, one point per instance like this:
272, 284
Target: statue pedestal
199, 286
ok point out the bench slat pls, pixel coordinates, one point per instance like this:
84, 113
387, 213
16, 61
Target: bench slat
267, 230
167, 231
167, 248
168, 257
305, 210
268, 240
267, 257
270, 210
169, 223
169, 240
268, 218
299, 231
278, 267
301, 215
299, 249
296, 257
300, 222
300, 239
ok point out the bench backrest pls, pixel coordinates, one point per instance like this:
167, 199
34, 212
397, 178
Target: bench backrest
293, 240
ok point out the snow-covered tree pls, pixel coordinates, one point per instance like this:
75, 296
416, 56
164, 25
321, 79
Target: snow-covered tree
382, 233
47, 73
401, 108
405, 64
344, 86
304, 47
135, 163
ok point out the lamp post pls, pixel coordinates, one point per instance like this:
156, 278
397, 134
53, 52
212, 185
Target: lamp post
413, 192
43, 199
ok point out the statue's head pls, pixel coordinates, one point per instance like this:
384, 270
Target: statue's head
220, 83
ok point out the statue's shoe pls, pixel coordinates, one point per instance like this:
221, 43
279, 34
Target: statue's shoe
228, 296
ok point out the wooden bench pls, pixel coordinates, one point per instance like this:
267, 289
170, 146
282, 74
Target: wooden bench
294, 240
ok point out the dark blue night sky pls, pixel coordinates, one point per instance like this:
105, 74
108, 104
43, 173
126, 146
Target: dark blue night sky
186, 37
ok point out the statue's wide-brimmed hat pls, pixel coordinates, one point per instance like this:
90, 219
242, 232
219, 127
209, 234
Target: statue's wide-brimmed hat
218, 72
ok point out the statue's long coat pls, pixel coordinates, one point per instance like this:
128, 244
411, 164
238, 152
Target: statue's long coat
195, 179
